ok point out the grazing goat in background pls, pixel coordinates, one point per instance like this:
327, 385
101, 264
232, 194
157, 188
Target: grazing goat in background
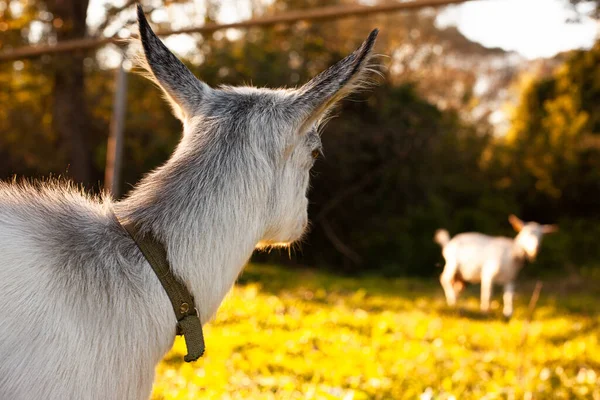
82, 313
475, 257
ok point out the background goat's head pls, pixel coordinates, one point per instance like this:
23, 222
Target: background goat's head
530, 234
273, 132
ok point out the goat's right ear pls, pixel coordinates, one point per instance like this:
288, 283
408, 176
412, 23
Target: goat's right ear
318, 95
183, 90
549, 228
516, 223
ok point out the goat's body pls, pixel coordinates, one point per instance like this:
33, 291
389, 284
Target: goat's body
474, 255
478, 258
81, 314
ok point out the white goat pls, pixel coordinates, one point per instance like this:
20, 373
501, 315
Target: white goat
474, 258
82, 314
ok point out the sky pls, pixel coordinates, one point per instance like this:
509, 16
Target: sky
532, 28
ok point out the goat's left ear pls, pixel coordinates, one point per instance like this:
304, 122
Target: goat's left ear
318, 95
183, 90
549, 229
516, 222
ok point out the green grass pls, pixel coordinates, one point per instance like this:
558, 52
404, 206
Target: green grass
298, 334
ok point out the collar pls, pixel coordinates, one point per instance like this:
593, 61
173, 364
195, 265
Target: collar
188, 321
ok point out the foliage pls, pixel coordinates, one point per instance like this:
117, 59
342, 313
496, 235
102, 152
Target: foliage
388, 159
403, 159
592, 5
551, 157
310, 335
555, 133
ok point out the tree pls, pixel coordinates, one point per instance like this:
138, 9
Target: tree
554, 134
595, 10
70, 111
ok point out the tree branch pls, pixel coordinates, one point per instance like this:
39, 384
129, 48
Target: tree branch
338, 244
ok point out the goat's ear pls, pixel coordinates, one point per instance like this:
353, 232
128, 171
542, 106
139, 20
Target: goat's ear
183, 90
516, 223
318, 95
549, 229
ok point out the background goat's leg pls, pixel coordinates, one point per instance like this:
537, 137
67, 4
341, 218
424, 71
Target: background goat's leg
486, 293
507, 298
447, 281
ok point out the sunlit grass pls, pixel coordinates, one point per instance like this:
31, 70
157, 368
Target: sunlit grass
304, 335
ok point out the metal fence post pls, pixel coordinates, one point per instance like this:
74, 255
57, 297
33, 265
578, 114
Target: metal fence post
114, 147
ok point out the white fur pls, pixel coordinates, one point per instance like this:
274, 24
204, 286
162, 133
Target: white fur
478, 258
82, 314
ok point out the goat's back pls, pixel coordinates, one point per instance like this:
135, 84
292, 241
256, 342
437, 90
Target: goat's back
69, 279
472, 251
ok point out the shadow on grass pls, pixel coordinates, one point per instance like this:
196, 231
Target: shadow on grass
173, 359
275, 280
461, 312
584, 328
410, 292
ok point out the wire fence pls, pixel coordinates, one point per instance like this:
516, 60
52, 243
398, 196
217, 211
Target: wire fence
116, 134
318, 14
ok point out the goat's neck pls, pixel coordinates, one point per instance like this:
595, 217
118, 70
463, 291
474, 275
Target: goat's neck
209, 231
518, 253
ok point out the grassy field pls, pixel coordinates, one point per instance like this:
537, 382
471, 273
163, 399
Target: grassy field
300, 334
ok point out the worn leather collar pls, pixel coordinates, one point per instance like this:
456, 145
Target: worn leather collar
188, 320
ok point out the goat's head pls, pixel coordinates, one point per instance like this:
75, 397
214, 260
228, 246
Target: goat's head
274, 133
530, 235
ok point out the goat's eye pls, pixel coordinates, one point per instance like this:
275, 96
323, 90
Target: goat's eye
315, 154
